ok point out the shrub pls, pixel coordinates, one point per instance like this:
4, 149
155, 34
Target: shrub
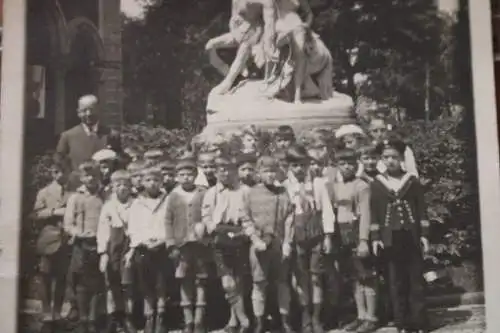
446, 160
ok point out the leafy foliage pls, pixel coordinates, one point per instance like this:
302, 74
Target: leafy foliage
447, 164
406, 49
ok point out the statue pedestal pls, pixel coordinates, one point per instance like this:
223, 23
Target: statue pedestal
247, 105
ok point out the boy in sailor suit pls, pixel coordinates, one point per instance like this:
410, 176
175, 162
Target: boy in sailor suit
399, 225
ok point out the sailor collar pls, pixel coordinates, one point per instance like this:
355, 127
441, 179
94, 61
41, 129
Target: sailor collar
403, 187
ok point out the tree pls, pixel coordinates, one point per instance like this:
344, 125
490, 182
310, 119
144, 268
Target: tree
397, 43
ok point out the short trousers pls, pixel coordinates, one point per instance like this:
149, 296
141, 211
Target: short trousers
193, 261
152, 267
269, 265
231, 260
309, 259
56, 264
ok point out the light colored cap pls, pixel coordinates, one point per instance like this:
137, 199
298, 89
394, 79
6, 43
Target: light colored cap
347, 130
86, 101
154, 153
104, 155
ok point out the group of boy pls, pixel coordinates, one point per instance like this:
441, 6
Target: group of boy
276, 216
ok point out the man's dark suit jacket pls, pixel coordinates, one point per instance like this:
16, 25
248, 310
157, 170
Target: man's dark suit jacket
76, 146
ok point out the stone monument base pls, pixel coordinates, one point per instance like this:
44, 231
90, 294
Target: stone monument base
247, 105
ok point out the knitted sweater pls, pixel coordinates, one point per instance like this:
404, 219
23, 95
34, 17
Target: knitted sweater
182, 215
271, 212
82, 213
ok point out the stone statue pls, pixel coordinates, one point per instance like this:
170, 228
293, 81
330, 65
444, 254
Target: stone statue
251, 31
297, 68
258, 28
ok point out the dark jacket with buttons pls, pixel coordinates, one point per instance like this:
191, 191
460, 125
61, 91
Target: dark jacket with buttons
401, 209
182, 216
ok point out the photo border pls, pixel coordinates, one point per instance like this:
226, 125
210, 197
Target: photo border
483, 82
11, 157
12, 138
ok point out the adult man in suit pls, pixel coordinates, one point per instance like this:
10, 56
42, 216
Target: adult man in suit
76, 146
79, 143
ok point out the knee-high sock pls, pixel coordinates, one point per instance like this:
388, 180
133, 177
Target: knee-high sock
83, 301
239, 311
199, 316
149, 306
359, 297
317, 289
371, 299
259, 298
128, 293
284, 297
187, 311
46, 293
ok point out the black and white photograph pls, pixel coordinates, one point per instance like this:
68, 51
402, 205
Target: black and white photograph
250, 166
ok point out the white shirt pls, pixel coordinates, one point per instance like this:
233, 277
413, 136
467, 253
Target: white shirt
90, 130
307, 191
147, 220
201, 179
223, 204
114, 214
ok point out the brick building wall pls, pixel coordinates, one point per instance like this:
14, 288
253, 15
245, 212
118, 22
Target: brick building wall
110, 90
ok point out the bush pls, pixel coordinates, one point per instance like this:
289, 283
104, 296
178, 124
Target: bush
446, 160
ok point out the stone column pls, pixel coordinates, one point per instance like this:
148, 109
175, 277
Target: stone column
111, 91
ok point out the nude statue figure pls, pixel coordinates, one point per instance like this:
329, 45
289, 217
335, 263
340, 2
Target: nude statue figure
260, 28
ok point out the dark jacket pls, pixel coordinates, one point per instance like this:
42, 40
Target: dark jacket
76, 146
403, 209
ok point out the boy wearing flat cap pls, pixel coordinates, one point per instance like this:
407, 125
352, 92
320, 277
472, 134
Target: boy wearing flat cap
269, 208
147, 254
107, 160
352, 203
351, 136
112, 245
246, 169
168, 171
48, 211
81, 220
223, 214
206, 169
155, 155
284, 137
185, 232
314, 225
400, 226
135, 170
